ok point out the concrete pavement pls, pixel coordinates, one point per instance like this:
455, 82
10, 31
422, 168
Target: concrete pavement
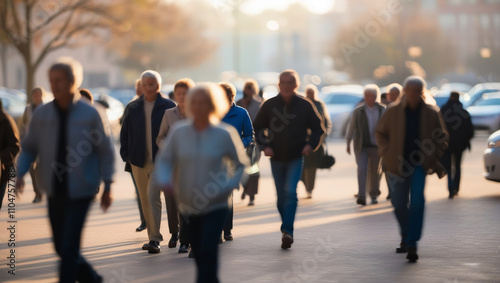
335, 240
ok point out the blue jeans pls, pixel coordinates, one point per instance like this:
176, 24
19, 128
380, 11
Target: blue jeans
286, 177
204, 232
67, 218
410, 217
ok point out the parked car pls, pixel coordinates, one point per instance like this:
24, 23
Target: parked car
13, 104
441, 97
485, 113
113, 107
475, 93
340, 102
492, 158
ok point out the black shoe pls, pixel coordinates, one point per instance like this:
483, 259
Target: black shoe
412, 255
402, 248
140, 228
286, 241
243, 195
145, 246
228, 237
251, 203
450, 196
388, 197
455, 192
361, 201
374, 201
154, 247
184, 249
191, 254
37, 199
173, 241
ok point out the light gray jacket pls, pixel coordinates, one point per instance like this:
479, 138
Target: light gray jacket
196, 165
91, 153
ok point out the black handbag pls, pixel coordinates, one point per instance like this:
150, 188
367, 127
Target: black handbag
326, 161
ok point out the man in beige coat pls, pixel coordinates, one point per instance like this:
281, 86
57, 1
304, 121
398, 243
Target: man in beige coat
411, 138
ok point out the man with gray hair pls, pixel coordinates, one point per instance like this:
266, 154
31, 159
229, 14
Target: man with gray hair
411, 137
140, 128
362, 132
74, 152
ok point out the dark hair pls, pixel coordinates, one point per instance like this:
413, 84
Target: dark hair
86, 93
455, 95
383, 95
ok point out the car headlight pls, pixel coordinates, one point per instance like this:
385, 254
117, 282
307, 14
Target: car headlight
493, 144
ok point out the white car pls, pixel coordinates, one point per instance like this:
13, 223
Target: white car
492, 158
485, 113
340, 101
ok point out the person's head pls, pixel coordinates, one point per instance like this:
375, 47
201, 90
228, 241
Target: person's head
87, 95
371, 94
383, 98
206, 101
288, 84
138, 87
251, 88
150, 84
181, 89
414, 87
65, 77
311, 92
394, 91
230, 91
37, 95
454, 96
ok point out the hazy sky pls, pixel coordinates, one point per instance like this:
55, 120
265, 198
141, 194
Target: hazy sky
257, 6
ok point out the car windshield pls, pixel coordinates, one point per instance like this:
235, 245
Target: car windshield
342, 99
489, 102
12, 105
441, 100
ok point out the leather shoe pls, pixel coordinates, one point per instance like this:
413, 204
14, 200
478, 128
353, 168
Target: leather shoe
402, 248
412, 255
184, 249
145, 246
140, 228
361, 201
228, 237
173, 241
286, 241
154, 247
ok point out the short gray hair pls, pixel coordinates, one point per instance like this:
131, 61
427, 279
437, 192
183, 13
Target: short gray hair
415, 80
152, 74
373, 88
72, 68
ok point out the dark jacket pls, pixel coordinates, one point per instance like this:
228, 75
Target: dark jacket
133, 132
459, 126
284, 127
9, 143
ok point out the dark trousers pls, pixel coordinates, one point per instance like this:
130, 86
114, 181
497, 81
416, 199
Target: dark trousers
67, 218
172, 214
204, 231
143, 220
184, 230
228, 224
38, 194
452, 162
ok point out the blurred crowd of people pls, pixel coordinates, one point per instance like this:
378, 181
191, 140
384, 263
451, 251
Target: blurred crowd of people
200, 145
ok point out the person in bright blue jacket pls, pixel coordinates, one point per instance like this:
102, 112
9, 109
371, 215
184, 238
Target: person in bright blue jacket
239, 118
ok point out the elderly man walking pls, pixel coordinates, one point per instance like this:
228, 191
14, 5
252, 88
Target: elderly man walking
362, 132
141, 124
411, 137
74, 152
281, 128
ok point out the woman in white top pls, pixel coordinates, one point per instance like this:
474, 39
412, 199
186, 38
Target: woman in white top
203, 159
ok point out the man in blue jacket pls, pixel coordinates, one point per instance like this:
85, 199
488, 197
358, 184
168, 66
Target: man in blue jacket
141, 124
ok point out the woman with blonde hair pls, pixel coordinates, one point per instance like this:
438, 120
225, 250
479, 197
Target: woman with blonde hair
201, 162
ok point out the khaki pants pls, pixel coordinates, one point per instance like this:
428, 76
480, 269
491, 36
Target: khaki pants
142, 178
368, 162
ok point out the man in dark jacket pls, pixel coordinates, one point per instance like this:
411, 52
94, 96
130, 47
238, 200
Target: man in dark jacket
281, 129
9, 149
141, 124
459, 125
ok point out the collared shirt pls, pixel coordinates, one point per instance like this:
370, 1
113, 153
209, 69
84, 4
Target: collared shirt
372, 115
148, 111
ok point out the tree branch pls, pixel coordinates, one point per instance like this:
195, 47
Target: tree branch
59, 13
